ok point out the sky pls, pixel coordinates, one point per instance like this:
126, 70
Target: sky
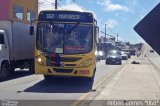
120, 16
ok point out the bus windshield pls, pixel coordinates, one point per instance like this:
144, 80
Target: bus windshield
64, 38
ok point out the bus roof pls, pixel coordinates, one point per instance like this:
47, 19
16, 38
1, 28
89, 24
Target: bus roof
66, 16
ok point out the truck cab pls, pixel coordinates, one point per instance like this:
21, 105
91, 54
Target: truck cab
4, 55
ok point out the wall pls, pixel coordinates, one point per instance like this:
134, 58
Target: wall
27, 5
4, 9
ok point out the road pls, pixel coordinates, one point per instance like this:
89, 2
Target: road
34, 87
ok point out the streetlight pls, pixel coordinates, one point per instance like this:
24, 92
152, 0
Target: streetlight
105, 31
56, 4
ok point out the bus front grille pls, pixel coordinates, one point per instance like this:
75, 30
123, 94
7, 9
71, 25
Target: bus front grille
65, 59
62, 70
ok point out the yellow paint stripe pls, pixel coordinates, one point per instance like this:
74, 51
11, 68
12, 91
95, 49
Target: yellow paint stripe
81, 98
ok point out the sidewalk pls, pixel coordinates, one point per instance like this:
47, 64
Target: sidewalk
133, 82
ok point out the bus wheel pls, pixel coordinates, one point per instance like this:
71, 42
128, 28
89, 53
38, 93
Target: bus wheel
4, 71
48, 77
31, 67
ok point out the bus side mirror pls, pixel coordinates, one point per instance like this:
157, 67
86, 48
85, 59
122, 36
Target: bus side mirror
31, 30
97, 34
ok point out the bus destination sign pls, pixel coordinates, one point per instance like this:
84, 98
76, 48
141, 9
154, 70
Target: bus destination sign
63, 16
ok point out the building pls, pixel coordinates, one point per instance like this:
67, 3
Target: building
18, 10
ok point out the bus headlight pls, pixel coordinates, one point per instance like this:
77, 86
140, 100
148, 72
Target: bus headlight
85, 63
39, 60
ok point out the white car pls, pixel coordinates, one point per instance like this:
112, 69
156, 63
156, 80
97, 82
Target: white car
124, 55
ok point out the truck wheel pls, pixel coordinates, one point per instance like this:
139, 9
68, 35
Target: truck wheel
48, 77
12, 70
4, 72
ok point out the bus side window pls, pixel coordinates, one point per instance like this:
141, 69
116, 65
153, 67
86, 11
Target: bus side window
2, 39
97, 36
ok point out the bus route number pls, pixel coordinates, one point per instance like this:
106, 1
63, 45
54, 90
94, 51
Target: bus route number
50, 16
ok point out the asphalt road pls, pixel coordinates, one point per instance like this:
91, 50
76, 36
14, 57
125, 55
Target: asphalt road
23, 86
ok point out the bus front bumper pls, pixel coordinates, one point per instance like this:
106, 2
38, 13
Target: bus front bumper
63, 71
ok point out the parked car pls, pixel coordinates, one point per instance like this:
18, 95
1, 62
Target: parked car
114, 56
124, 55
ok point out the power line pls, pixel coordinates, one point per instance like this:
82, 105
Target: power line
107, 34
48, 1
43, 4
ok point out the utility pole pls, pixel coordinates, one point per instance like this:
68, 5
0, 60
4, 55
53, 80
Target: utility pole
56, 4
117, 37
105, 32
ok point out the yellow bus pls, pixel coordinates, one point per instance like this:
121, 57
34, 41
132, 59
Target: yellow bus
65, 44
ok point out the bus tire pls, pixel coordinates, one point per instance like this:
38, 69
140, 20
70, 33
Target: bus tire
48, 77
4, 71
32, 67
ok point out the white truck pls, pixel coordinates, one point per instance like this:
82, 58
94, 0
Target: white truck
16, 47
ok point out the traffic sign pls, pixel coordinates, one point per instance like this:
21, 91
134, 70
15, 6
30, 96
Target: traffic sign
149, 28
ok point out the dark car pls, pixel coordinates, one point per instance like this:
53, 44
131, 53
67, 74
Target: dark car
114, 57
133, 52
